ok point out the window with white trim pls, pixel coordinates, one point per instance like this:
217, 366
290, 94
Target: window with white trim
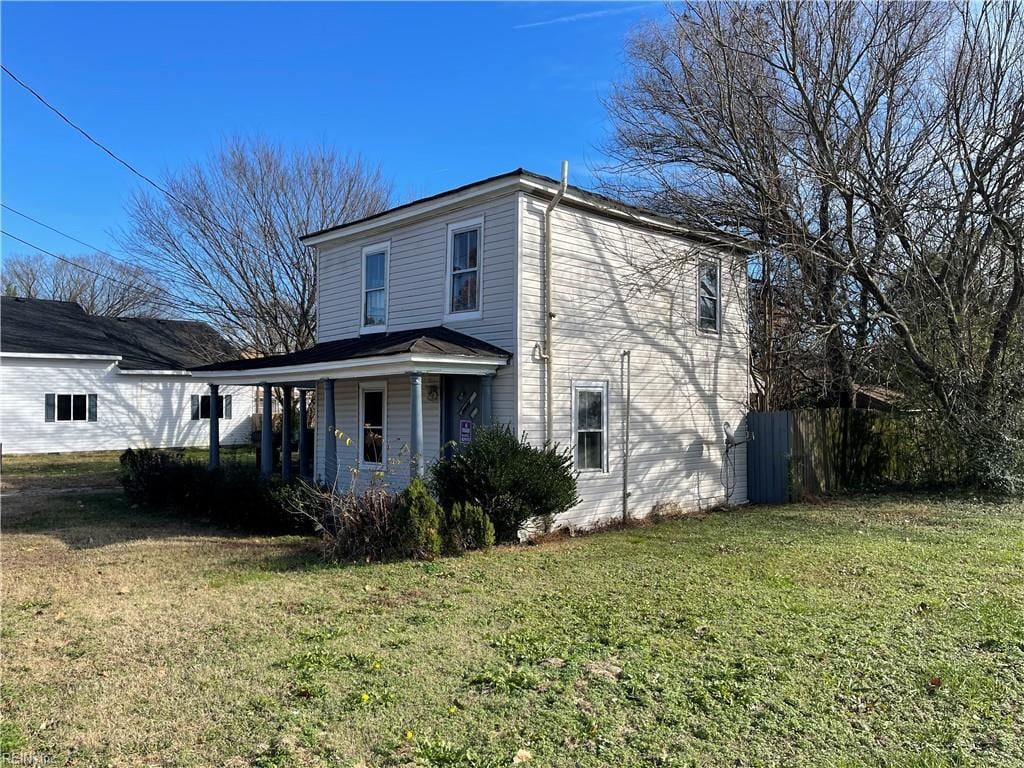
201, 407
375, 287
465, 259
373, 412
709, 297
69, 407
590, 424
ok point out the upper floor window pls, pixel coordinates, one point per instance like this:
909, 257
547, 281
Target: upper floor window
590, 424
201, 407
375, 287
61, 407
709, 296
464, 268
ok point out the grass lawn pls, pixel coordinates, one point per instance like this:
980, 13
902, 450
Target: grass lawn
88, 469
879, 632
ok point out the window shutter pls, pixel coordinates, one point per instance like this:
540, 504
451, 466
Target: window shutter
92, 407
227, 406
195, 407
51, 407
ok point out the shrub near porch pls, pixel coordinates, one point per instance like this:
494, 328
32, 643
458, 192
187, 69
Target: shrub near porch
871, 631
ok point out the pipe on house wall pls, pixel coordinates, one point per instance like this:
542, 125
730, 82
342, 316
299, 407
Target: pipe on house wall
548, 353
627, 383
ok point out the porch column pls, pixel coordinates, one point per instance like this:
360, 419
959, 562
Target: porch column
214, 427
416, 421
286, 434
330, 438
303, 442
486, 415
267, 434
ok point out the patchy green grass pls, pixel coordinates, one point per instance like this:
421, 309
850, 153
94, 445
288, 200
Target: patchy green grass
880, 632
88, 469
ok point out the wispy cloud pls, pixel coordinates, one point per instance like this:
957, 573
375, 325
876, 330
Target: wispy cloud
581, 16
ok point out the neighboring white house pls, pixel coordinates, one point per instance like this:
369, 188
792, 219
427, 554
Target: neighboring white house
433, 319
75, 382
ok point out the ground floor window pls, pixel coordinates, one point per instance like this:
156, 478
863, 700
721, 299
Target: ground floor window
590, 424
70, 407
373, 420
201, 407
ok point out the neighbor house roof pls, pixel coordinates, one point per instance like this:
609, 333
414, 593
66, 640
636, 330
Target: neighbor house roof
45, 327
436, 340
537, 184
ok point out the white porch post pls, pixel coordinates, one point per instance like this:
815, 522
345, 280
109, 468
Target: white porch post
286, 434
267, 434
486, 406
416, 421
330, 438
303, 441
214, 427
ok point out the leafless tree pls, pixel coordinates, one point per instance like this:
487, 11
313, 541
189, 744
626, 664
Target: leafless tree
101, 284
227, 236
876, 151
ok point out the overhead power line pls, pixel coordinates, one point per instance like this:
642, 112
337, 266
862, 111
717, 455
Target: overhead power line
75, 264
142, 280
159, 187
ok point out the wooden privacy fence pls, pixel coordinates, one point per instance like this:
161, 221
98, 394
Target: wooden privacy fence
798, 454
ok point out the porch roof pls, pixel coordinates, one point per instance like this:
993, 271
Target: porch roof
425, 350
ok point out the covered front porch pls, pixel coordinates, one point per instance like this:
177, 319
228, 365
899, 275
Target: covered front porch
384, 403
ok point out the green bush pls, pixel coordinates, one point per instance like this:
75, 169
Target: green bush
510, 479
418, 522
466, 527
234, 495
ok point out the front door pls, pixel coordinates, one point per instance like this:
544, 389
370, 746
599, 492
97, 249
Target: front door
461, 411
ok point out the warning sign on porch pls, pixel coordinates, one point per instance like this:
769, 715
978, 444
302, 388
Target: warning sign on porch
465, 430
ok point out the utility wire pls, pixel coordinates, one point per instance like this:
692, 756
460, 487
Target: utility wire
5, 233
158, 289
163, 190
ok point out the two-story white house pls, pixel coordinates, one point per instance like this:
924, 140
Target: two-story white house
519, 299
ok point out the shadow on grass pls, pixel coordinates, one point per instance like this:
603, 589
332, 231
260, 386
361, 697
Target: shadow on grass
104, 517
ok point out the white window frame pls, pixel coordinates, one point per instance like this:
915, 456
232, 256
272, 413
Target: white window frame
72, 395
373, 386
717, 263
454, 229
590, 386
225, 401
366, 251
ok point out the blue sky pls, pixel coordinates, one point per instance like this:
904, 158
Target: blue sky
439, 94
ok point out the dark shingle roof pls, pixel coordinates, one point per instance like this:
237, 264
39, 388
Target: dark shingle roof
437, 340
42, 326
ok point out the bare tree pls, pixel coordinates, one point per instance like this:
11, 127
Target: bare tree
101, 284
227, 236
876, 151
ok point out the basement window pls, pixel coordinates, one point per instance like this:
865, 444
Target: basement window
708, 296
69, 407
201, 407
590, 426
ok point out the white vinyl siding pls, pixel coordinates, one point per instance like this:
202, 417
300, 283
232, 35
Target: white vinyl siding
132, 411
685, 383
417, 291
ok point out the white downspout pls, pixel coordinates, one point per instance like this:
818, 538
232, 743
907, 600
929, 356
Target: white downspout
548, 353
